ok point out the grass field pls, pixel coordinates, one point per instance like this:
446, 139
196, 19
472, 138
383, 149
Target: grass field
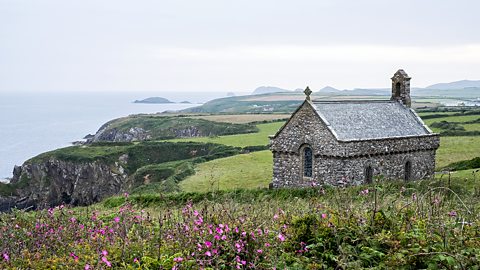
453, 149
242, 118
459, 119
464, 118
241, 140
246, 171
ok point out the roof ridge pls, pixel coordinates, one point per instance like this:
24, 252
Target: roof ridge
355, 101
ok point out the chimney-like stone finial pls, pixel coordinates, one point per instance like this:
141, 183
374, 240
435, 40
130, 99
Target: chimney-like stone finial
307, 92
401, 88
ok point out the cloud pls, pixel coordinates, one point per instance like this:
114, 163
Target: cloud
366, 54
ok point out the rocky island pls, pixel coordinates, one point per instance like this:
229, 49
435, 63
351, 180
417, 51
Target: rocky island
154, 100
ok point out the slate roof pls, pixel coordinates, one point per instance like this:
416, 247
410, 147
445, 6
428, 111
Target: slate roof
364, 120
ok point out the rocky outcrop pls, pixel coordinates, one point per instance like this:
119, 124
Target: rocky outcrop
54, 182
115, 135
187, 132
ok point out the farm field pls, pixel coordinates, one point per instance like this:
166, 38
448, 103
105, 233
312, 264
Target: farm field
242, 118
241, 140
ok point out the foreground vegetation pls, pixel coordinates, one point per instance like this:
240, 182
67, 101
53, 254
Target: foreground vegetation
426, 224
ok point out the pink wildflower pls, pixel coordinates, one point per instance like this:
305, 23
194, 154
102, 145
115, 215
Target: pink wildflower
208, 244
199, 221
238, 247
324, 215
259, 251
87, 267
452, 213
135, 260
6, 257
104, 253
275, 216
281, 237
178, 259
104, 259
364, 192
208, 253
116, 219
75, 257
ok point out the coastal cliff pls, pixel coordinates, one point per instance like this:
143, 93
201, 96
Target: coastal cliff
83, 175
54, 182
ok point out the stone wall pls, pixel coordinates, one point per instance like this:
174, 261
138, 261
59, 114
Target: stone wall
344, 162
335, 171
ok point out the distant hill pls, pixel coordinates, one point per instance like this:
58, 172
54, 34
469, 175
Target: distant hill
268, 90
153, 100
455, 85
328, 89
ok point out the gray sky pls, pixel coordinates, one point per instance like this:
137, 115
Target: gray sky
208, 45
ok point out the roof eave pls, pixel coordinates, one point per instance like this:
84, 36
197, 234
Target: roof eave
389, 138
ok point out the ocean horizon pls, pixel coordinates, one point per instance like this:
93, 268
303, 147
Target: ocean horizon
33, 123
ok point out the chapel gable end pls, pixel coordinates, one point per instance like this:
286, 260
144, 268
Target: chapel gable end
304, 127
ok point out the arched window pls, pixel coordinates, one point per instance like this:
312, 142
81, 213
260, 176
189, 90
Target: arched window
408, 171
397, 89
307, 161
368, 174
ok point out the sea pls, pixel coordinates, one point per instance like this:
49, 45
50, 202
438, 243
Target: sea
36, 122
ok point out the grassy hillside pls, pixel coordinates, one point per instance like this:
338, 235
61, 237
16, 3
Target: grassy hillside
159, 127
246, 171
241, 104
241, 140
454, 149
242, 118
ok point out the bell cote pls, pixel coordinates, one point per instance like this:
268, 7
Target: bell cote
401, 88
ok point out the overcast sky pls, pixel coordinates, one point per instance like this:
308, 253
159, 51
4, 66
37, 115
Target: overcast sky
207, 45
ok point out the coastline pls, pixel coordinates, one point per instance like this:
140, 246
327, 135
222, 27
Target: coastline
35, 123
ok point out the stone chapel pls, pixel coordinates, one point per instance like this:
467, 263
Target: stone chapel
351, 142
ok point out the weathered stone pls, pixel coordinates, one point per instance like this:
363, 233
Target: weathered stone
56, 182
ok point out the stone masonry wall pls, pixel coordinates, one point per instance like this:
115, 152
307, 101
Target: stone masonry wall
350, 171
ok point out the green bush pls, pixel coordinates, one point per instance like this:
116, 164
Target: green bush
473, 163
